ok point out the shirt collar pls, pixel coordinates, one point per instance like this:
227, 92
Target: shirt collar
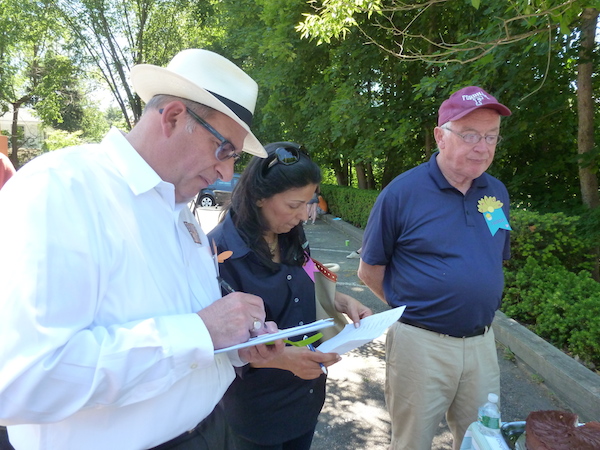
232, 238
136, 172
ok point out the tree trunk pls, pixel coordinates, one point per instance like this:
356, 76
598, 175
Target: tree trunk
429, 142
14, 137
341, 172
370, 177
585, 108
361, 175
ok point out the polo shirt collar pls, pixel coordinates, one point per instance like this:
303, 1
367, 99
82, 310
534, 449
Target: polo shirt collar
232, 238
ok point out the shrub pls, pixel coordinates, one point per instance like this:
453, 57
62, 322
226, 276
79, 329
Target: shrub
558, 305
552, 239
351, 204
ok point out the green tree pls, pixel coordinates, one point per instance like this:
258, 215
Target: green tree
114, 35
33, 71
342, 100
564, 30
444, 33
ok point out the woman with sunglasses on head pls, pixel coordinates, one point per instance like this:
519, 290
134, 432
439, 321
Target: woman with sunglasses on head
276, 407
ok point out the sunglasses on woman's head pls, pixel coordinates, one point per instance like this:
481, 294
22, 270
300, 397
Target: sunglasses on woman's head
286, 156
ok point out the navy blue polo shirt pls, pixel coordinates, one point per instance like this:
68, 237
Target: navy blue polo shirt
441, 258
270, 406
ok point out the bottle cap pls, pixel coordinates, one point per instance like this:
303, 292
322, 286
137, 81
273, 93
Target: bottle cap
492, 398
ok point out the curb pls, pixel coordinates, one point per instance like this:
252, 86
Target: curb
344, 227
575, 385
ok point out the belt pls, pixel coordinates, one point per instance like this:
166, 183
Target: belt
477, 332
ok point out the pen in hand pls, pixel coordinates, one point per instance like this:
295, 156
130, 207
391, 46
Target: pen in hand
228, 289
312, 349
225, 285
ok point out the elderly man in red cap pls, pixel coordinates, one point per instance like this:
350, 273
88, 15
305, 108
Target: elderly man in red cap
435, 242
111, 309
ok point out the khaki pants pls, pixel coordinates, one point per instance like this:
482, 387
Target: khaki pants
429, 375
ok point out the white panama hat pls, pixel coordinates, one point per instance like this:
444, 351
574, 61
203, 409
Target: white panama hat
204, 77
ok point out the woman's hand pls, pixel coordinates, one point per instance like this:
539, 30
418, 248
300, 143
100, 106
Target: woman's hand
301, 362
263, 353
351, 307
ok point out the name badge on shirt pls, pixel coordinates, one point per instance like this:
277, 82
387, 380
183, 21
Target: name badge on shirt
493, 214
193, 232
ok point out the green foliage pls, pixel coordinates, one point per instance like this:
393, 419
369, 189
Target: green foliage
57, 96
114, 35
94, 124
60, 138
551, 239
343, 11
36, 67
114, 118
354, 205
589, 226
548, 282
558, 305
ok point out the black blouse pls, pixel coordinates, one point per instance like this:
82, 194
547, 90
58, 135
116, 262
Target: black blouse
270, 406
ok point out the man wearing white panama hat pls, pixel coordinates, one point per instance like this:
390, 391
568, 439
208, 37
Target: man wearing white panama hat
111, 306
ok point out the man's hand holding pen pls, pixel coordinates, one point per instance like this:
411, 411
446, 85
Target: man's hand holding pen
232, 320
258, 353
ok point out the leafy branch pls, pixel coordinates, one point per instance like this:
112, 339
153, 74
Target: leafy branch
335, 18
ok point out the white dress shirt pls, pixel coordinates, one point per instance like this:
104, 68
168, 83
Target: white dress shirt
100, 281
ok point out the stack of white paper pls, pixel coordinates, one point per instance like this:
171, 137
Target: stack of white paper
370, 328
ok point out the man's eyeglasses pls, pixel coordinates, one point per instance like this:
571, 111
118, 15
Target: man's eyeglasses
286, 156
473, 138
225, 150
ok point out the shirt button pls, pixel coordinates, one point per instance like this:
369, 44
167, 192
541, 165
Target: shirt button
300, 323
289, 277
296, 300
311, 391
193, 366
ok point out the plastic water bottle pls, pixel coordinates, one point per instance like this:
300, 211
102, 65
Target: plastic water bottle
489, 416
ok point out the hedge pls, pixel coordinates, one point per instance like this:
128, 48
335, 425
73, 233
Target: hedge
558, 305
351, 204
548, 285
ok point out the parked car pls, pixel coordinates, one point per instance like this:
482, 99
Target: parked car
217, 193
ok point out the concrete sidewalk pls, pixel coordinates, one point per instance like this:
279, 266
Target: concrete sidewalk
534, 374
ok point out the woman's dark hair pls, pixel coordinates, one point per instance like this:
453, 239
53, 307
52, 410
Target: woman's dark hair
262, 179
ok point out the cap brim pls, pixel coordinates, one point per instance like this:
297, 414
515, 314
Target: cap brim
149, 80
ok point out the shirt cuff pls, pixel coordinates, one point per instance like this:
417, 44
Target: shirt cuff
188, 338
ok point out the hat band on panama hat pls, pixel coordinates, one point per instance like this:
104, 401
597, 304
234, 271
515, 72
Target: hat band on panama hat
238, 109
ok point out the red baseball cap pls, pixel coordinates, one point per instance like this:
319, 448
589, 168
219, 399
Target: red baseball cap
467, 100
